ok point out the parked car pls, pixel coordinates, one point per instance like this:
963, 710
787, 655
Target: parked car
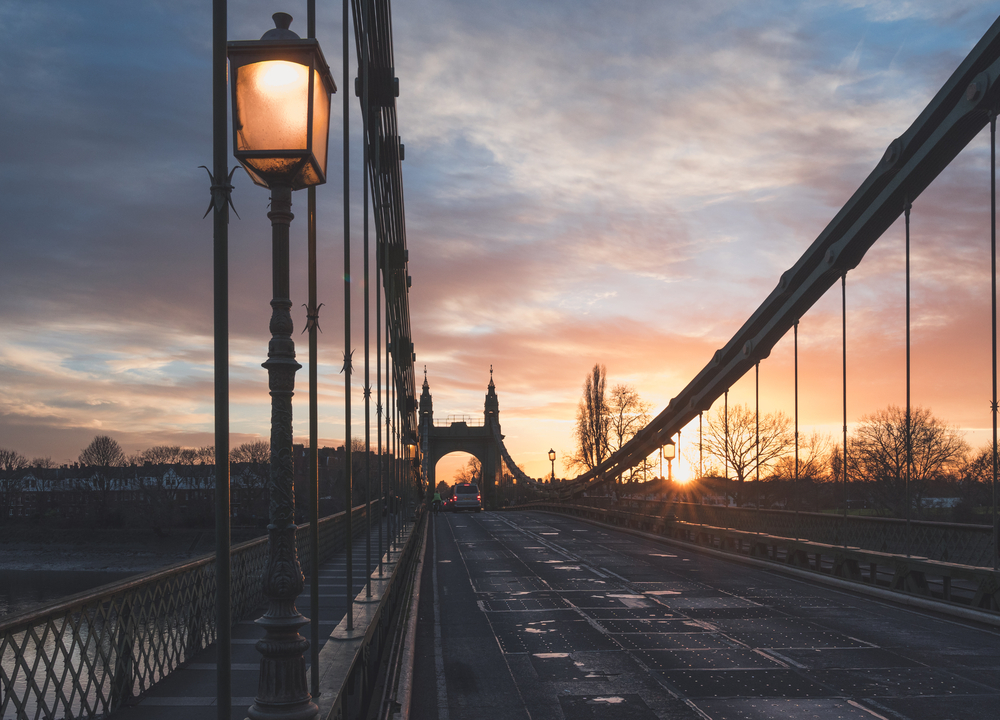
467, 497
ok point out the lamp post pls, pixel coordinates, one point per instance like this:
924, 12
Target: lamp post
552, 458
281, 87
669, 453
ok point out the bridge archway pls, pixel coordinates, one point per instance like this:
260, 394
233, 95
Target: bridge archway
452, 464
476, 437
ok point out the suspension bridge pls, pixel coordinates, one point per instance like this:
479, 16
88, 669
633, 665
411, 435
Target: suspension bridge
560, 601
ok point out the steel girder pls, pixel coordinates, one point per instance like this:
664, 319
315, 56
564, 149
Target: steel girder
956, 114
385, 154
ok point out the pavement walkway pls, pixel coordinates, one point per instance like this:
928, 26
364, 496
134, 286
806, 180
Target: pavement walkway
193, 686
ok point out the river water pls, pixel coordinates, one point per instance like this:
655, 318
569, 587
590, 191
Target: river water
23, 590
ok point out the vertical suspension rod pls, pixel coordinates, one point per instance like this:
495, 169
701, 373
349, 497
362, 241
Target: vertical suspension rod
365, 32
348, 460
909, 417
756, 415
993, 281
843, 329
795, 336
312, 324
220, 260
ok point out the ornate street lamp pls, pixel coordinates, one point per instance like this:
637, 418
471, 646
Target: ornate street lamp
281, 87
669, 453
552, 458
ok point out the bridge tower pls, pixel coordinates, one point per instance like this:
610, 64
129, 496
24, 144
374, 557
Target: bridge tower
424, 424
477, 439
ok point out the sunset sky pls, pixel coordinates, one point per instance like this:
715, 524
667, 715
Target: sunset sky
585, 181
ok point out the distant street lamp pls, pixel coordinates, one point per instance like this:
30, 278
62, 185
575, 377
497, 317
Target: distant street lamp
669, 453
281, 87
552, 457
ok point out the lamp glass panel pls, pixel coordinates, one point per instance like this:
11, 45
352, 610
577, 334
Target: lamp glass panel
321, 120
669, 451
272, 106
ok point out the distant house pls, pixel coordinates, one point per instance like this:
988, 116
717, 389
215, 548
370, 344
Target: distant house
939, 502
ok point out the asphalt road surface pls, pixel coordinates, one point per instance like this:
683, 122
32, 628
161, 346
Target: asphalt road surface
529, 615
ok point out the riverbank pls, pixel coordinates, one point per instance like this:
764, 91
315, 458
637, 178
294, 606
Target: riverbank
119, 551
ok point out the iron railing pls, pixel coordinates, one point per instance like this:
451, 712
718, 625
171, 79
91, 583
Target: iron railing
948, 542
85, 655
858, 550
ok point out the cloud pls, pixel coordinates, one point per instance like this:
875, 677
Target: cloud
585, 182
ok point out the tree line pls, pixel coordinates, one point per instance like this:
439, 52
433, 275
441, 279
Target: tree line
894, 462
156, 487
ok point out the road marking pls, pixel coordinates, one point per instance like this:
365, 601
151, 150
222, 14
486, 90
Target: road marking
859, 706
778, 656
442, 685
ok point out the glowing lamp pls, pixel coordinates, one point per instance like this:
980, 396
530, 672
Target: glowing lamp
552, 455
281, 87
669, 450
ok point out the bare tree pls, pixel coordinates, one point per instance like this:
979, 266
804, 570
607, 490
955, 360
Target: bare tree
12, 470
627, 414
11, 460
977, 476
813, 468
591, 423
814, 460
733, 440
251, 477
256, 451
471, 473
102, 456
103, 452
159, 455
198, 456
878, 456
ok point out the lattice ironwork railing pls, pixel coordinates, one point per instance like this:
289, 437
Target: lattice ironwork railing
82, 657
949, 542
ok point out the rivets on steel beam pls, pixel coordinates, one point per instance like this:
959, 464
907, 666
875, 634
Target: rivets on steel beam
892, 153
977, 88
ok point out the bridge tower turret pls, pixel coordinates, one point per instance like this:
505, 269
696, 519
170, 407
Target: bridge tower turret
492, 463
492, 406
426, 422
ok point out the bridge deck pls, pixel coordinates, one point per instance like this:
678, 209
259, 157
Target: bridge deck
529, 615
192, 689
